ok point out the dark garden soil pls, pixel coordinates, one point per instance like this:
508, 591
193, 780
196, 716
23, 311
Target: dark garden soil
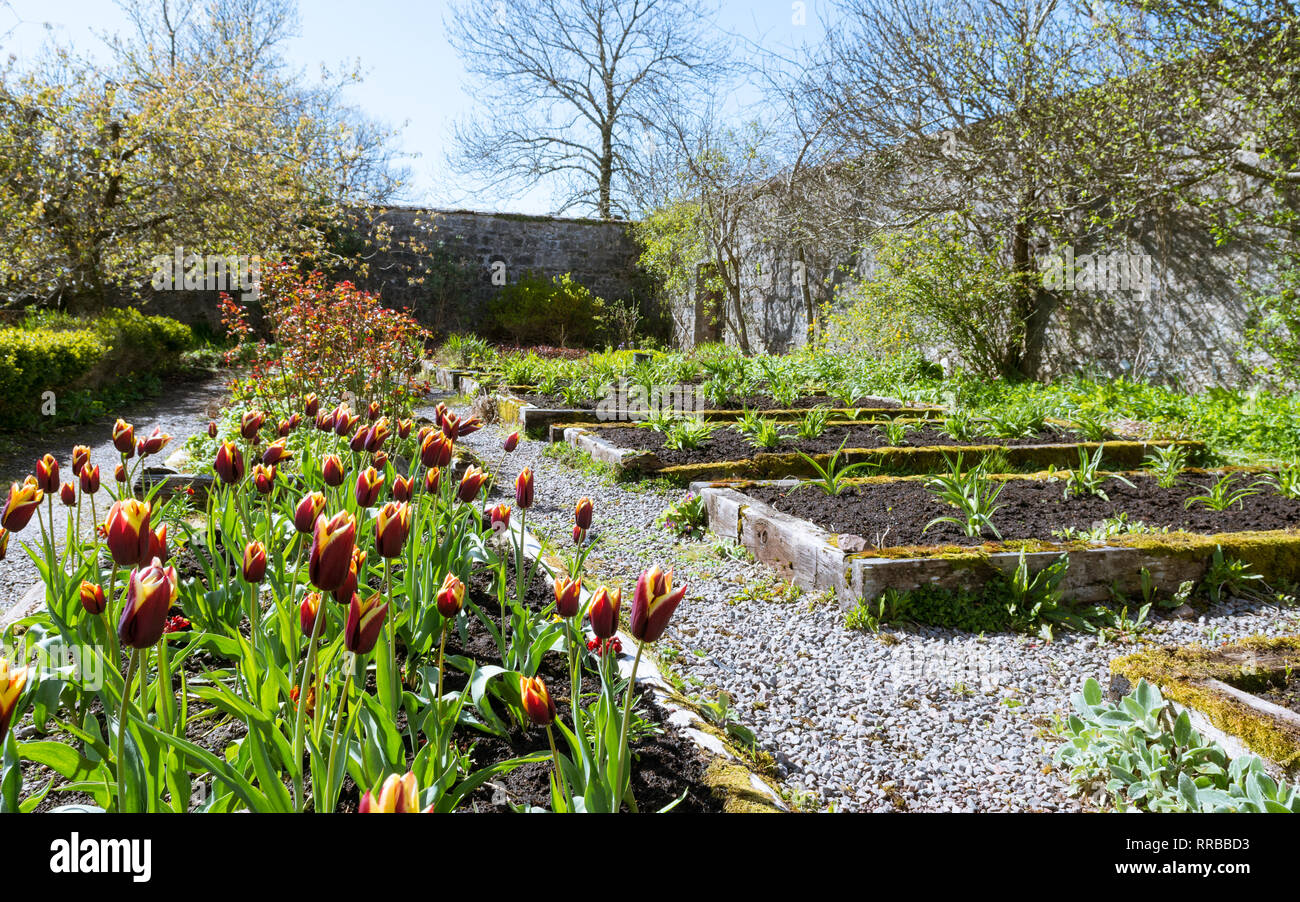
896, 513
727, 444
666, 764
1283, 692
753, 402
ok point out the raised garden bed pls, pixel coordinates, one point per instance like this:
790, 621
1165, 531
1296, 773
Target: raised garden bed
728, 455
828, 551
1246, 694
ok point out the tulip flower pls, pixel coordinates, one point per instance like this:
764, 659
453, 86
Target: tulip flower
431, 480
333, 471
603, 612
439, 412
469, 427
331, 550
156, 441
450, 425
212, 429
124, 437
311, 405
568, 596
22, 504
47, 474
13, 680
392, 526
324, 422
92, 598
68, 494
344, 420
369, 482
4, 543
285, 427
307, 613
451, 597
511, 442
309, 508
90, 479
538, 704
360, 440
119, 474
582, 514
275, 453
378, 434
403, 488
149, 595
404, 428
398, 795
470, 484
365, 620
158, 544
578, 535
653, 604
435, 450
500, 517
254, 569
80, 457
380, 460
524, 488
373, 411
129, 538
343, 594
139, 447
263, 479
229, 463
250, 424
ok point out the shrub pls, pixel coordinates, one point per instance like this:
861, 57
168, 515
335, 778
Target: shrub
537, 310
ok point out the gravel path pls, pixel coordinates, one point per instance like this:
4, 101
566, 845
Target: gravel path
181, 411
940, 720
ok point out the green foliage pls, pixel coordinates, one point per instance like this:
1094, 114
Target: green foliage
1141, 754
686, 519
1273, 328
1222, 495
538, 310
971, 492
1166, 463
688, 434
833, 478
1087, 478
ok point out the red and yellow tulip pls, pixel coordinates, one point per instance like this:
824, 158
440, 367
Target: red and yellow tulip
127, 532
537, 701
392, 526
331, 550
149, 595
603, 612
653, 604
364, 622
451, 596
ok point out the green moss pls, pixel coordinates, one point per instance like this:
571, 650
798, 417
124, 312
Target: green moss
1274, 554
730, 783
1182, 672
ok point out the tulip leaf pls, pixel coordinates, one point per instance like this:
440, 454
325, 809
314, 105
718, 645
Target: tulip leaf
202, 759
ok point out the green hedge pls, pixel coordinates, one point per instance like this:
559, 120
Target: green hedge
538, 310
62, 353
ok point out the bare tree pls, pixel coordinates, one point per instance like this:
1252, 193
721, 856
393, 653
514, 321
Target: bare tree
570, 91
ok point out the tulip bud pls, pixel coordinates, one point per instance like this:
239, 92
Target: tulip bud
212, 429
311, 405
13, 680
124, 437
80, 457
307, 613
331, 550
603, 612
369, 482
360, 440
22, 504
538, 704
653, 604
47, 474
582, 514
4, 543
158, 544
511, 442
373, 411
439, 412
451, 597
90, 479
435, 450
500, 517
365, 620
524, 488
404, 428
92, 598
68, 494
324, 422
229, 463
254, 569
469, 427
250, 424
149, 595
156, 441
309, 508
568, 596
263, 479
403, 488
285, 427
398, 795
378, 434
119, 474
127, 532
431, 480
470, 484
333, 471
392, 526
275, 453
344, 420
139, 447
380, 460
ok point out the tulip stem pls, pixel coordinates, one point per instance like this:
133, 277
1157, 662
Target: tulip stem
121, 727
559, 772
334, 745
308, 670
442, 648
624, 757
396, 691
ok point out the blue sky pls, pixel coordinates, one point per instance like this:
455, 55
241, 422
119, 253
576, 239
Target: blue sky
412, 76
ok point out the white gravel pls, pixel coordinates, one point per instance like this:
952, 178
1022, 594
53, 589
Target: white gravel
940, 721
